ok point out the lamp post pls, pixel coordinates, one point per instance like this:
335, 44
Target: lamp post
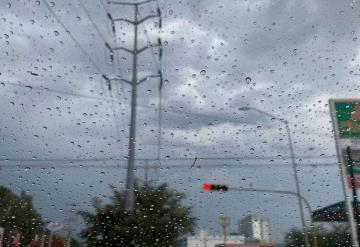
224, 222
292, 155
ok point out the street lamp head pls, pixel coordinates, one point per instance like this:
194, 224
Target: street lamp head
224, 221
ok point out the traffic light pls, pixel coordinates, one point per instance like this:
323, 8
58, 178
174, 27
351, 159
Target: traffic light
215, 187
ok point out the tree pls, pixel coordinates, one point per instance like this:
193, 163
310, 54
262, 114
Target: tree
334, 235
158, 219
17, 214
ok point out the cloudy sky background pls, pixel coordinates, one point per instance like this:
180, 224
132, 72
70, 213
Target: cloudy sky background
297, 54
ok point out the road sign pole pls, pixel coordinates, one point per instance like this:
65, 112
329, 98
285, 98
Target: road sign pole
350, 163
348, 202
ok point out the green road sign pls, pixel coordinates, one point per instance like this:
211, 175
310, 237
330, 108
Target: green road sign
348, 118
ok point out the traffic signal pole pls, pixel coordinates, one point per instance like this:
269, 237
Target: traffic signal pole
223, 188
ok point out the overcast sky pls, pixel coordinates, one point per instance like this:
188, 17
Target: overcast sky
284, 57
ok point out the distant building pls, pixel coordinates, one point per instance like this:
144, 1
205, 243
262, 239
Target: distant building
256, 227
247, 245
205, 239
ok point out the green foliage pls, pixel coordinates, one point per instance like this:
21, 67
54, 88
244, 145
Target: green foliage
159, 219
17, 214
74, 243
334, 235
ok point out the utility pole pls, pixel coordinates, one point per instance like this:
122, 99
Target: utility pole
134, 83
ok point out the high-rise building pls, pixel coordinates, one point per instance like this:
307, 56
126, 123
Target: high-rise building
255, 227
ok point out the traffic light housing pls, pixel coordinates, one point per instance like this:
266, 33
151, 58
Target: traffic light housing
215, 187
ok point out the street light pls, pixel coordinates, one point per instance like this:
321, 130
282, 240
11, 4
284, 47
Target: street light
292, 155
224, 222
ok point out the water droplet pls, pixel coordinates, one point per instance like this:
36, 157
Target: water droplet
193, 75
37, 2
29, 87
203, 72
58, 97
56, 33
248, 80
52, 4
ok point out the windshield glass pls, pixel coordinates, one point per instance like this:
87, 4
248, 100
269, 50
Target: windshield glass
179, 123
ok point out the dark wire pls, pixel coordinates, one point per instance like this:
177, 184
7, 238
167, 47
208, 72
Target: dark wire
72, 37
92, 21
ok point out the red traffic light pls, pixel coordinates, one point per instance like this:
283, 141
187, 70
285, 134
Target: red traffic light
215, 187
207, 187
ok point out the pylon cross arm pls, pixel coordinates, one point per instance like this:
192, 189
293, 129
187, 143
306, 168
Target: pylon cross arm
146, 47
147, 77
146, 18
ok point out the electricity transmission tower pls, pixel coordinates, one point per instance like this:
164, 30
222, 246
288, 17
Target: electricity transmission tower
134, 82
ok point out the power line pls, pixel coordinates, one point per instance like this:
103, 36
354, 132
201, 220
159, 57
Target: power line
159, 67
148, 42
83, 50
237, 158
92, 21
72, 37
30, 87
182, 166
104, 6
166, 110
115, 64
